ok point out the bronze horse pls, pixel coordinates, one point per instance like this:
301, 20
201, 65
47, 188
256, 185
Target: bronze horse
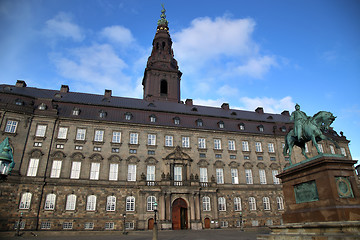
312, 131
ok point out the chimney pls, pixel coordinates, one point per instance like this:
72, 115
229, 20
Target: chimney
285, 113
259, 110
107, 93
64, 88
20, 83
225, 106
189, 102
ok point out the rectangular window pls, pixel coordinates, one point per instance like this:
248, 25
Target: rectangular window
89, 225
131, 172
272, 158
260, 158
109, 226
202, 155
129, 225
271, 148
67, 225
56, 169
232, 145
116, 138
232, 156
275, 179
45, 225
150, 173
134, 138
78, 147
151, 139
99, 136
111, 203
133, 151
62, 134
113, 172
262, 175
40, 131
237, 204
246, 157
97, 149
321, 148
11, 126
202, 143
168, 141
178, 174
185, 142
258, 147
343, 151
60, 146
234, 176
80, 134
75, 170
94, 171
206, 204
218, 156
22, 225
151, 152
248, 176
203, 175
33, 166
220, 176
37, 144
245, 146
115, 150
217, 144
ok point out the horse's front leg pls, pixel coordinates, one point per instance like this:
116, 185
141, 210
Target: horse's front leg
315, 143
303, 152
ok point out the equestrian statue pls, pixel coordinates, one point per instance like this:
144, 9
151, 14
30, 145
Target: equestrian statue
307, 129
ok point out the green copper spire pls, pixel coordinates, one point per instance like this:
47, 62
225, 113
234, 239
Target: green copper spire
163, 20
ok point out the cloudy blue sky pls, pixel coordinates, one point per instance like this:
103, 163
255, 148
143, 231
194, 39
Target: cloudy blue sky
247, 53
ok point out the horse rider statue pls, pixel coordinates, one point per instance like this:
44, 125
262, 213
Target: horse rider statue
299, 118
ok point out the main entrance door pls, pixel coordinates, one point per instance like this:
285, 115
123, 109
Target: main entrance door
179, 214
150, 223
207, 223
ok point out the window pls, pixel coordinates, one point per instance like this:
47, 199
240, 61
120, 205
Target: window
130, 203
178, 173
271, 148
152, 118
62, 134
22, 224
42, 106
99, 136
134, 138
168, 141
60, 146
151, 152
56, 169
234, 176
206, 204
150, 173
218, 156
11, 126
33, 166
217, 144
343, 152
151, 200
91, 203
163, 83
111, 203
246, 157
242, 126
176, 120
224, 224
275, 179
109, 225
116, 138
272, 158
252, 204
248, 176
89, 225
75, 170
203, 175
321, 148
113, 172
115, 150
37, 144
185, 141
269, 222
128, 116
80, 134
133, 151
202, 143
232, 156
266, 203
67, 225
262, 176
231, 145
261, 128
254, 223
222, 204
25, 201
129, 225
245, 146
50, 201
237, 204
220, 176
97, 149
94, 171
45, 225
306, 148
221, 124
76, 111
70, 202
102, 114
40, 131
151, 139
258, 147
199, 123
260, 158
131, 172
332, 150
78, 147
202, 155
280, 203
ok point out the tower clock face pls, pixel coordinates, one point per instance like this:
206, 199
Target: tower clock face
344, 187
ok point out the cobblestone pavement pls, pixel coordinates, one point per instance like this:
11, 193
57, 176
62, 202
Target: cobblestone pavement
218, 234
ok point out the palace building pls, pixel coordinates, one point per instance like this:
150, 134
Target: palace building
101, 162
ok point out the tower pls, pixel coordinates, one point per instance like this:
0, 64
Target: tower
162, 75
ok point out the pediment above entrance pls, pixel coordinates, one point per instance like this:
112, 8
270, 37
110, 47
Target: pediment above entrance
178, 156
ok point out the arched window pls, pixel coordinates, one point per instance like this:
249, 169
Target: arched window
237, 204
91, 203
252, 203
25, 201
150, 203
70, 202
206, 204
280, 203
50, 202
163, 87
266, 203
130, 203
222, 204
110, 203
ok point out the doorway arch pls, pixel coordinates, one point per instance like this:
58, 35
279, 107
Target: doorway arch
150, 223
179, 214
207, 223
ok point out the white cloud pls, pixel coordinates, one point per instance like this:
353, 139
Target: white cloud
118, 34
62, 26
270, 105
227, 91
257, 67
209, 102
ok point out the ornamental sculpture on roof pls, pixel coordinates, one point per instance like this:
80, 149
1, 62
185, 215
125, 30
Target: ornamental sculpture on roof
307, 129
162, 20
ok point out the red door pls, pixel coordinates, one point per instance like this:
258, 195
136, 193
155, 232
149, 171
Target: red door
179, 214
207, 223
151, 224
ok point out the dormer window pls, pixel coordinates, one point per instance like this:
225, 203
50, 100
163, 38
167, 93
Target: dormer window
19, 102
176, 120
42, 106
199, 123
152, 118
194, 109
261, 128
233, 114
128, 116
283, 129
242, 126
221, 124
76, 111
102, 114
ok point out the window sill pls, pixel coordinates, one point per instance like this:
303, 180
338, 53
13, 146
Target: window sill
9, 133
80, 141
202, 149
115, 144
39, 138
98, 142
218, 150
232, 151
62, 140
151, 146
134, 145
